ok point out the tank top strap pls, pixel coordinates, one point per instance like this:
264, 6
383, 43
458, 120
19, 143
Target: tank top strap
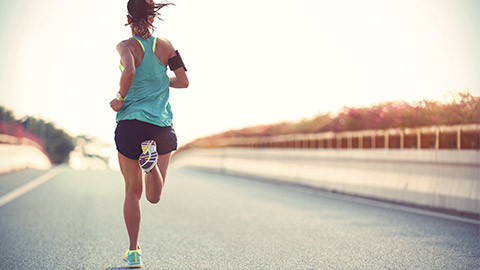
141, 43
148, 44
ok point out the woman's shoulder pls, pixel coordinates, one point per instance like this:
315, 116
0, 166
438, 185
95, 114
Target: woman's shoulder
164, 42
127, 43
165, 45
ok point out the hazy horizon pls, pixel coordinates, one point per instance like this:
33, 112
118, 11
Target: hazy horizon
250, 63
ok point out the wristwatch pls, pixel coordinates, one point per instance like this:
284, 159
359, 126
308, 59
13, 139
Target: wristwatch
119, 97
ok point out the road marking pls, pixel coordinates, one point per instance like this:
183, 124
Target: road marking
390, 205
382, 204
30, 185
409, 209
352, 198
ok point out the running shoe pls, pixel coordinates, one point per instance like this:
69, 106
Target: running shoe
133, 258
148, 158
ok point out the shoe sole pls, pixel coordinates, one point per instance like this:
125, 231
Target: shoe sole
149, 159
130, 265
149, 164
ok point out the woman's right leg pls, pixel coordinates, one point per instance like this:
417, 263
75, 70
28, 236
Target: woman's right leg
132, 174
155, 179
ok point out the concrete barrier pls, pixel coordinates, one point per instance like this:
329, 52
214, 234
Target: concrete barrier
21, 153
441, 179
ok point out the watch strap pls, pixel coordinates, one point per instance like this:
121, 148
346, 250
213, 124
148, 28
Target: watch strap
119, 97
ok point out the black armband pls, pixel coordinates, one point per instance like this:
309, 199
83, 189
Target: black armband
176, 62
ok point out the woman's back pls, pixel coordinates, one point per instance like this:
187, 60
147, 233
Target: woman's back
163, 50
147, 99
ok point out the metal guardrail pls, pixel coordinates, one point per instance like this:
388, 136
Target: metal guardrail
436, 137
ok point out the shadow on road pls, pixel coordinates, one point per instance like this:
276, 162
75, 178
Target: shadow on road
116, 268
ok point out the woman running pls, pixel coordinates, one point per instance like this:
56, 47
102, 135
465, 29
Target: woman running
144, 136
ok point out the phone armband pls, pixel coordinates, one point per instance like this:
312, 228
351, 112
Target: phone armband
176, 62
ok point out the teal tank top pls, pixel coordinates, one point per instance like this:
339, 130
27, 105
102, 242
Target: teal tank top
147, 98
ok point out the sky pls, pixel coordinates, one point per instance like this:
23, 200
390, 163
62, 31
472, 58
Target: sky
249, 62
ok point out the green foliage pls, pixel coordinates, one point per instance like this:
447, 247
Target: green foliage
6, 115
57, 143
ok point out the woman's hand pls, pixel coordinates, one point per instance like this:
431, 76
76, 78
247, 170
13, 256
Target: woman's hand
116, 104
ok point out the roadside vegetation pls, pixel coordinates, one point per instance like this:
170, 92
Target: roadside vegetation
463, 108
55, 142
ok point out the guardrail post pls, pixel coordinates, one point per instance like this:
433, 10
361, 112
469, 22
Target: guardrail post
402, 139
459, 138
419, 139
386, 136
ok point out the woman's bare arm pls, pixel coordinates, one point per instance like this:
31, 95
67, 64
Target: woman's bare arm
128, 62
181, 79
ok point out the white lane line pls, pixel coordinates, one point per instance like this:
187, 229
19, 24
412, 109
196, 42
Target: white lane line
365, 201
30, 185
385, 205
391, 206
412, 210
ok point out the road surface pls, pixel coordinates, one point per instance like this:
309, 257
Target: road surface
208, 221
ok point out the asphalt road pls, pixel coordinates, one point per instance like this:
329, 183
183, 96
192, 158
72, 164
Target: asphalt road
209, 221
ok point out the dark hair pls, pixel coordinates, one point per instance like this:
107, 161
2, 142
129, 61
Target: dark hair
139, 12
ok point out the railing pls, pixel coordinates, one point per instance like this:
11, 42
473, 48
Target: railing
8, 139
437, 137
14, 133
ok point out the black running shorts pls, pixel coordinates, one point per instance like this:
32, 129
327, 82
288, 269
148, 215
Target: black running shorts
130, 134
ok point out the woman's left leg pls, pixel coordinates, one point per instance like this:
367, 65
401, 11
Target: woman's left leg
133, 192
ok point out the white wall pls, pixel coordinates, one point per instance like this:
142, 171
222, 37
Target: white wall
446, 179
17, 157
